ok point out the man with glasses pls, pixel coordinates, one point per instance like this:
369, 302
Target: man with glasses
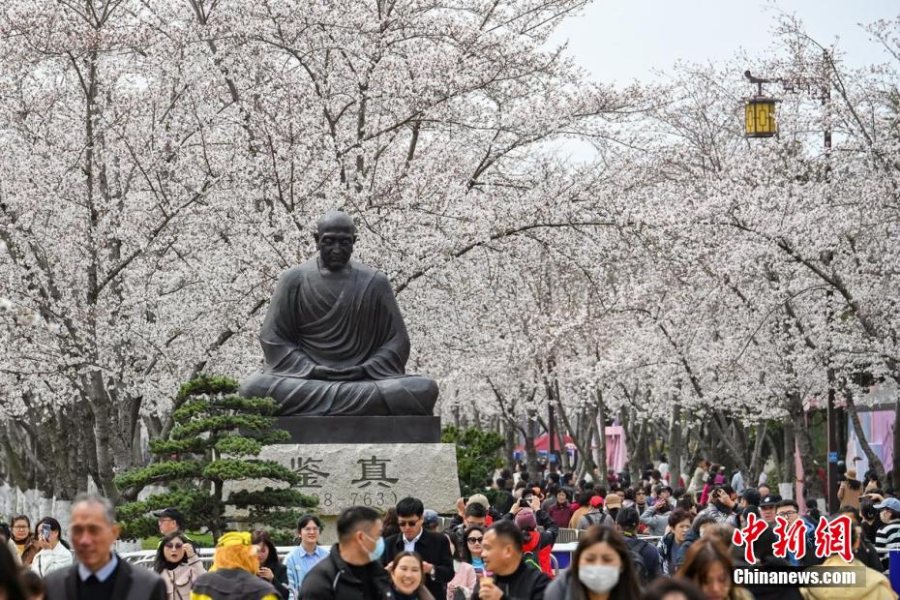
434, 548
308, 554
789, 510
169, 520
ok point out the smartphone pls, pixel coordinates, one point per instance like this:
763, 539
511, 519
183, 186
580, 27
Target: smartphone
45, 532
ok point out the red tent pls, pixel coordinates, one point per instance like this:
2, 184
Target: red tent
542, 444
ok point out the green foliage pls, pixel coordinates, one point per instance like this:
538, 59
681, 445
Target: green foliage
228, 469
215, 440
239, 446
215, 424
478, 454
206, 384
158, 473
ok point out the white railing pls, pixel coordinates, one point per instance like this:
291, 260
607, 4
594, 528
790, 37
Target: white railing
146, 558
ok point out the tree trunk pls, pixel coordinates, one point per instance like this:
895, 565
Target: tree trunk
874, 461
531, 457
752, 473
787, 466
599, 429
801, 438
676, 452
510, 445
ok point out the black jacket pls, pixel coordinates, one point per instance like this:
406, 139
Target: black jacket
648, 552
526, 583
233, 584
331, 579
434, 548
132, 583
551, 529
280, 581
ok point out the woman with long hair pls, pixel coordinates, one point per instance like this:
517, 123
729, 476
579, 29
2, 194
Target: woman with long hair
178, 565
52, 552
270, 568
850, 490
469, 567
10, 582
391, 523
601, 570
708, 564
471, 552
408, 578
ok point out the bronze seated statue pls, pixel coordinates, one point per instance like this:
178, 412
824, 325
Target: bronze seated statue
334, 339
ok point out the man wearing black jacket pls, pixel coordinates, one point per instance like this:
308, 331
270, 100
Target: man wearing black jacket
512, 579
353, 569
434, 548
99, 573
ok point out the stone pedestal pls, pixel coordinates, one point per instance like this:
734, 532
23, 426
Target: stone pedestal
376, 475
361, 430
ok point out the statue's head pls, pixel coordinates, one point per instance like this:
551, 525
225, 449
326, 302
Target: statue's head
335, 236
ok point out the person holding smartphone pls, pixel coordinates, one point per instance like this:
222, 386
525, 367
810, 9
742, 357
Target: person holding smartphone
53, 554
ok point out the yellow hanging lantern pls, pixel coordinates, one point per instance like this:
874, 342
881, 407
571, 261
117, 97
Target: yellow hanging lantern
759, 117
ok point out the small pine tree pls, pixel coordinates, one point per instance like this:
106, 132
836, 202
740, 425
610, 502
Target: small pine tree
478, 454
216, 436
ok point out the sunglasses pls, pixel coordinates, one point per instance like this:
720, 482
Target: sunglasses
174, 546
474, 540
408, 523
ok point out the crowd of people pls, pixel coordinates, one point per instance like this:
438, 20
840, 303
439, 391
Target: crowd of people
641, 540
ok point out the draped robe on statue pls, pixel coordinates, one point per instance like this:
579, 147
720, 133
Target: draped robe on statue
338, 319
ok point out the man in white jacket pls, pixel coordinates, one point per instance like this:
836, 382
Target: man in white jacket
53, 554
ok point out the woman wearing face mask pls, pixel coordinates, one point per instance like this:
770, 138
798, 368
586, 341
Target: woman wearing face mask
178, 565
407, 581
601, 570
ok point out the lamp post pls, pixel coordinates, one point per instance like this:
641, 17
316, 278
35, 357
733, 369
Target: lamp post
759, 111
760, 122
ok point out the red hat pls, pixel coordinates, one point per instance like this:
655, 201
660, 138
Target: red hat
596, 501
525, 520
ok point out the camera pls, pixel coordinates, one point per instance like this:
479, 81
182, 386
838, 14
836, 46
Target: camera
525, 501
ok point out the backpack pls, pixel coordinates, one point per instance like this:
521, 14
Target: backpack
640, 565
595, 518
